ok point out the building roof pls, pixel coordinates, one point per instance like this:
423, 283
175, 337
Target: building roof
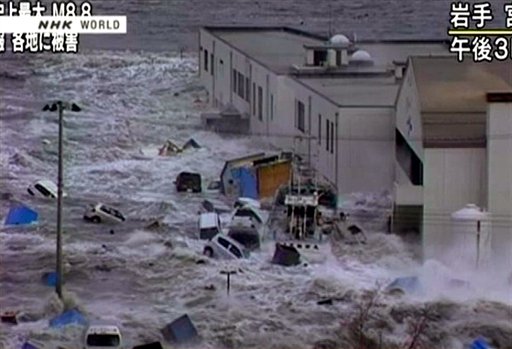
448, 86
356, 92
278, 48
241, 160
281, 48
275, 49
453, 98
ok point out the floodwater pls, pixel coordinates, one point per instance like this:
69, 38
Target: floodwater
136, 92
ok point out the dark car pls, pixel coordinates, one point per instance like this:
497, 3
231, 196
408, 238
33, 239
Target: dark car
188, 181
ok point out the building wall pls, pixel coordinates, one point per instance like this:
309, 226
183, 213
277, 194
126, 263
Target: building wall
262, 120
206, 43
408, 113
307, 142
366, 149
452, 179
499, 150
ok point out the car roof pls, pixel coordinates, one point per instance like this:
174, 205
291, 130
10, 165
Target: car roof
231, 240
103, 329
208, 219
48, 184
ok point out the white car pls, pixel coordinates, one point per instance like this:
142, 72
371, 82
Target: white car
102, 213
224, 247
209, 225
240, 202
103, 337
44, 189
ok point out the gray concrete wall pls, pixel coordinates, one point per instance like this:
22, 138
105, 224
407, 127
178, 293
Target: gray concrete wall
408, 113
366, 149
452, 179
499, 152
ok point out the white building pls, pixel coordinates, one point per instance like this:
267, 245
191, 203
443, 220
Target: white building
325, 100
454, 147
436, 137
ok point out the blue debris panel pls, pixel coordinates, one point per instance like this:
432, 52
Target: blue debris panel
71, 317
21, 215
180, 331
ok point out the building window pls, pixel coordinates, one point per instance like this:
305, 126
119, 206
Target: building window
253, 98
241, 85
319, 57
234, 81
301, 116
408, 160
206, 60
271, 107
247, 90
319, 129
332, 138
327, 134
260, 103
212, 60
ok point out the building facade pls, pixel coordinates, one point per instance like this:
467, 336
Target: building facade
402, 116
331, 101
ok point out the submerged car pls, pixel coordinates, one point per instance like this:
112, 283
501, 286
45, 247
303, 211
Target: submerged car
103, 337
224, 247
209, 225
44, 189
102, 213
188, 181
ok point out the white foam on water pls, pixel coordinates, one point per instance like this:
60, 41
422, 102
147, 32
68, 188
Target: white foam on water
129, 107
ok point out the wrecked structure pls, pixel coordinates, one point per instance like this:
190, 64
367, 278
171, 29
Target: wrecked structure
256, 176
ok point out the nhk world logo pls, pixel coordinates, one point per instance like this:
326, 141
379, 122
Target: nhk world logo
32, 30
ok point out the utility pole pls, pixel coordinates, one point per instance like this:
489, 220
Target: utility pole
228, 273
60, 106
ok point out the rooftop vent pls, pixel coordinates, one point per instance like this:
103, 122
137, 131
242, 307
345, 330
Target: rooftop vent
339, 39
361, 56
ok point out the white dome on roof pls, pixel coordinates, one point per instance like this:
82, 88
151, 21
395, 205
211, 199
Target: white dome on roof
361, 56
339, 39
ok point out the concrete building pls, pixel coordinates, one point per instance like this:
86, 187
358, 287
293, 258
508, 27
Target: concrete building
454, 147
370, 116
332, 101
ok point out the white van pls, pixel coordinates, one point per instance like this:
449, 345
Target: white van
44, 189
224, 247
209, 225
102, 213
103, 337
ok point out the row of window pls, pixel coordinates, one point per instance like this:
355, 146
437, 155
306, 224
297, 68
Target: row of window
300, 123
241, 85
205, 61
329, 135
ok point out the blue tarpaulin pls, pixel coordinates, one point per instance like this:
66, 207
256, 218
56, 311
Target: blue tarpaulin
20, 215
50, 279
407, 284
70, 317
480, 343
28, 345
247, 180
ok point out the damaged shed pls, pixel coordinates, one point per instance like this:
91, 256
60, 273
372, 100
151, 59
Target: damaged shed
255, 176
230, 184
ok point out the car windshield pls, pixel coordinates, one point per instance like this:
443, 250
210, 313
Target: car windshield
111, 211
42, 189
103, 340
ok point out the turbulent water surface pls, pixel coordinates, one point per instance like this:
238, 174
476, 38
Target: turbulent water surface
136, 92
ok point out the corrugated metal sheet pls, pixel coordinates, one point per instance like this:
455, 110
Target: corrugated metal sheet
272, 176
